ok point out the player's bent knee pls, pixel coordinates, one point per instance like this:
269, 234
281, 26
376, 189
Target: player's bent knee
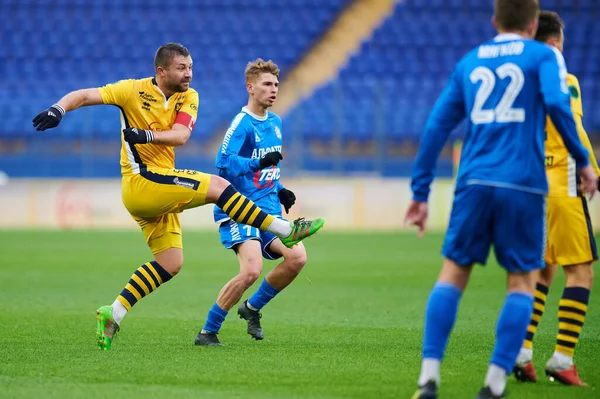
171, 260
579, 275
546, 275
250, 276
455, 274
215, 188
296, 261
523, 282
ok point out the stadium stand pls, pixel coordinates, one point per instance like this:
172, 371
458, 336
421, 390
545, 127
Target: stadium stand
378, 104
53, 47
367, 119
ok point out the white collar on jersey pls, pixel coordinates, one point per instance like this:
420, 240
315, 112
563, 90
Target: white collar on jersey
259, 118
505, 37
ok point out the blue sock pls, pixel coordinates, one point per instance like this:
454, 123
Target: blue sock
511, 329
263, 295
215, 318
440, 315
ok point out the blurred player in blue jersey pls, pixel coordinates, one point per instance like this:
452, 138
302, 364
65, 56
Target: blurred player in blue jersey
571, 242
249, 159
504, 88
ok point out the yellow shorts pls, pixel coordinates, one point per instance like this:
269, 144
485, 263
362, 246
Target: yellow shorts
570, 235
154, 198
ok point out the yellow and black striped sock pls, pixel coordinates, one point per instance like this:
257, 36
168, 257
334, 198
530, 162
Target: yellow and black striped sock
144, 280
243, 210
541, 292
571, 315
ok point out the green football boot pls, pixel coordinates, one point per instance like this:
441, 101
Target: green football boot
302, 229
106, 327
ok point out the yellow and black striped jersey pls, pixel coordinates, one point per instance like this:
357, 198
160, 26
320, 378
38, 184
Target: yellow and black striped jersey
143, 105
560, 167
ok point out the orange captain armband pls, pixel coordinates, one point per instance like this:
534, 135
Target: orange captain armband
185, 119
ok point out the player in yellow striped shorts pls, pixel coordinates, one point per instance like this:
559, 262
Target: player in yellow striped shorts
571, 242
157, 114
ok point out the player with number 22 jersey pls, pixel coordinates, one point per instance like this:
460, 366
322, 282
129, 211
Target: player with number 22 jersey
503, 88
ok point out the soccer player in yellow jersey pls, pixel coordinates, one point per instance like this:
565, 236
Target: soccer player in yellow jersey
571, 242
157, 114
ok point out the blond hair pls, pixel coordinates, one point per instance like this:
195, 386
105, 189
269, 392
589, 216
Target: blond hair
259, 66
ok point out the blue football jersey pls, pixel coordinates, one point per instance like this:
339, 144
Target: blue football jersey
504, 88
248, 138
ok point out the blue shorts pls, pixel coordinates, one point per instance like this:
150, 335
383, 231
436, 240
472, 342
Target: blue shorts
233, 233
513, 221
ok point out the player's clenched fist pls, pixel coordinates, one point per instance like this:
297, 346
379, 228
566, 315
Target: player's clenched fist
270, 159
48, 118
138, 136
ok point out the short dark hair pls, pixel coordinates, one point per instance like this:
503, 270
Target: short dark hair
166, 52
514, 15
549, 25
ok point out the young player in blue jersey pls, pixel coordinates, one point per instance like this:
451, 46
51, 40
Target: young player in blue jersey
248, 158
504, 88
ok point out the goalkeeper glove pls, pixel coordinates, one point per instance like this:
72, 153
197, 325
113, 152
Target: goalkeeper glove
138, 136
48, 118
287, 199
270, 159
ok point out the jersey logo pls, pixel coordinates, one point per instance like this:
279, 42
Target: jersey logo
256, 138
178, 106
574, 92
147, 97
146, 106
278, 132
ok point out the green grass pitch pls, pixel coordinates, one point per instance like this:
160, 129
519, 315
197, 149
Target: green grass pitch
349, 327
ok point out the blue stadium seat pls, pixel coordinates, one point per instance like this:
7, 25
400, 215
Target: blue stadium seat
52, 47
412, 54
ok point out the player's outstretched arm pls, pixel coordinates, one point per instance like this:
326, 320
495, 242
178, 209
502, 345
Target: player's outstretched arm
51, 117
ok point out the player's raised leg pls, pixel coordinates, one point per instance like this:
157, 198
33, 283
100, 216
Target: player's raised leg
244, 211
276, 280
572, 311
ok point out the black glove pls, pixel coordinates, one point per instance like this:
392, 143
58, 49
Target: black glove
138, 136
287, 199
270, 159
48, 118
